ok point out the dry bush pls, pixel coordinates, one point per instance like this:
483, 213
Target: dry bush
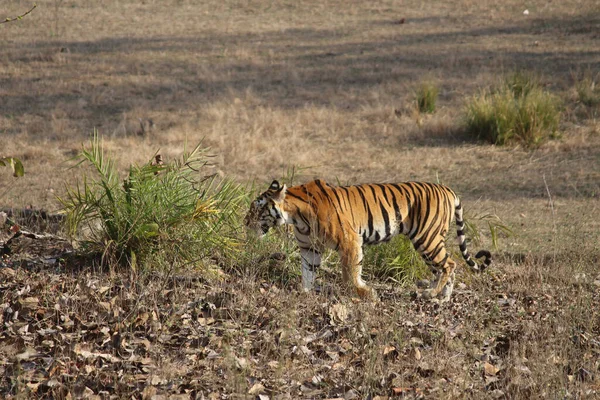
519, 111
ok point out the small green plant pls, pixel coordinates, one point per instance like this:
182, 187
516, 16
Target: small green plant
426, 97
396, 260
15, 164
169, 211
521, 84
495, 225
588, 90
518, 111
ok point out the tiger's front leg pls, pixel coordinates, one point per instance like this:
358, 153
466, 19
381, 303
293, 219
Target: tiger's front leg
351, 255
311, 261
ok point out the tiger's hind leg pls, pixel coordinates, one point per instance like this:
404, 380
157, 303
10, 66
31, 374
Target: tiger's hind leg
447, 290
443, 266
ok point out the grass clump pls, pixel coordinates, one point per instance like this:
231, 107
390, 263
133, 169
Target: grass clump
396, 261
518, 111
158, 214
588, 91
426, 97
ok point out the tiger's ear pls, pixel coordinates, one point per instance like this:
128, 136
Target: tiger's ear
275, 186
280, 194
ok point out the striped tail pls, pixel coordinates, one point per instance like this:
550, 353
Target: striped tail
462, 244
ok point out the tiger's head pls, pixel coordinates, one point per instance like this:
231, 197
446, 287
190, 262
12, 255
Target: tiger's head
266, 211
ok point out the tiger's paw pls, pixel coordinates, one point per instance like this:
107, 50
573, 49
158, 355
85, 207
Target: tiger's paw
423, 284
433, 297
367, 293
428, 294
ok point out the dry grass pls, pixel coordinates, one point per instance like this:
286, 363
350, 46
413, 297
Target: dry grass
330, 85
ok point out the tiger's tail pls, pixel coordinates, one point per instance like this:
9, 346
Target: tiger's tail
460, 235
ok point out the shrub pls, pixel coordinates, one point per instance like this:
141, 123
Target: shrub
426, 97
170, 212
519, 111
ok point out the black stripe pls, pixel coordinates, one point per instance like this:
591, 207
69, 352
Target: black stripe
416, 216
349, 207
404, 192
375, 197
443, 261
432, 237
295, 196
437, 250
432, 197
383, 189
415, 207
337, 213
337, 197
397, 213
386, 220
368, 209
376, 201
318, 183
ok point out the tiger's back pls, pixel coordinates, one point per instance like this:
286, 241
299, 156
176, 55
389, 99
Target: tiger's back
377, 212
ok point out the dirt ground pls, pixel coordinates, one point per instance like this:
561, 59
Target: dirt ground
326, 87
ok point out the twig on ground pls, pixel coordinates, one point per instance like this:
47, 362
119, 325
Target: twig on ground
19, 17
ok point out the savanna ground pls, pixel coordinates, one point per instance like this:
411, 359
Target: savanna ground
328, 87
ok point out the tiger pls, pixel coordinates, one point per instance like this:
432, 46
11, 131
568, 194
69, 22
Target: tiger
345, 218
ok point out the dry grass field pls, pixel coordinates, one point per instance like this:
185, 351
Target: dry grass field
326, 87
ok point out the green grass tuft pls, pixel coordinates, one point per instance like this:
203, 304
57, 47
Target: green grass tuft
396, 261
426, 97
519, 111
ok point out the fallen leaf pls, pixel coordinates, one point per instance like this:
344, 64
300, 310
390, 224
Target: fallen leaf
256, 389
29, 302
490, 369
417, 353
89, 354
241, 363
338, 313
27, 354
390, 351
405, 390
148, 392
